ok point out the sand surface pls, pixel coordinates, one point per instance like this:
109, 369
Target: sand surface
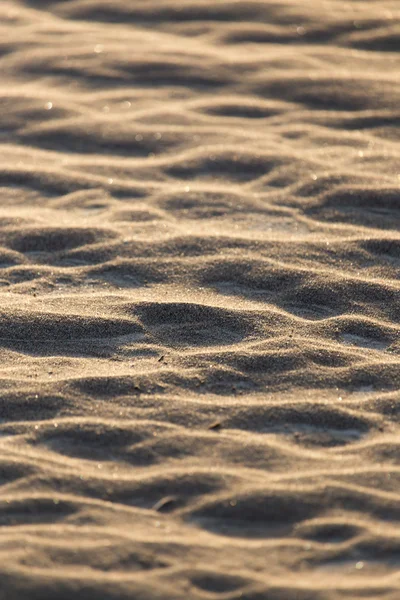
199, 300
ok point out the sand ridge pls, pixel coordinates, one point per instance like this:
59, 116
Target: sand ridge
199, 300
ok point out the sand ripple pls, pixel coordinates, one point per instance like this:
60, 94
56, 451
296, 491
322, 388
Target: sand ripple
199, 300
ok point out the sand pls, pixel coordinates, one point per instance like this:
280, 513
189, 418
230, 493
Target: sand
199, 300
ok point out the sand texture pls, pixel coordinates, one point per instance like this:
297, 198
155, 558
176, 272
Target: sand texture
199, 300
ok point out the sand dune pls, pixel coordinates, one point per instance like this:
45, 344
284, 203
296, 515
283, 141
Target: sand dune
200, 299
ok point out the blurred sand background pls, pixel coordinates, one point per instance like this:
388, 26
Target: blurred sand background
199, 300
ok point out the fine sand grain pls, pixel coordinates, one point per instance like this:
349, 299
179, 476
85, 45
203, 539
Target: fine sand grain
199, 300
